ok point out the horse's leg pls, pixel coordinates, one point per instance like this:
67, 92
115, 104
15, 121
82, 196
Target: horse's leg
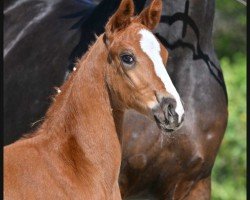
189, 190
201, 190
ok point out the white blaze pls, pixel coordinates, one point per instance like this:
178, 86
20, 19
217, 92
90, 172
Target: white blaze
151, 47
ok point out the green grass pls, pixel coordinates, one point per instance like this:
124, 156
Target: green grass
229, 172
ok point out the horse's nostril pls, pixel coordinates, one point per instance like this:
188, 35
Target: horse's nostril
168, 106
170, 113
170, 110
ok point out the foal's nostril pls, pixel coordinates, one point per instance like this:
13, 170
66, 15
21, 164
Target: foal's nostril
171, 110
169, 113
168, 105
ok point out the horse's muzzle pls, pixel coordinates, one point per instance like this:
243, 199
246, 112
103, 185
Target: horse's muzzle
165, 116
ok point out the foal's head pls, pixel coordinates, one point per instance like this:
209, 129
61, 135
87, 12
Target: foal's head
137, 76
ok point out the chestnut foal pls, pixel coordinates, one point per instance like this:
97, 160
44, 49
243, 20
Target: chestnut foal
75, 153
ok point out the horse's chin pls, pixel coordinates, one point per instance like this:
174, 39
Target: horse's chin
167, 127
167, 130
164, 128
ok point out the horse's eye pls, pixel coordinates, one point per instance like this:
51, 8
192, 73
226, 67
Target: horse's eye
128, 59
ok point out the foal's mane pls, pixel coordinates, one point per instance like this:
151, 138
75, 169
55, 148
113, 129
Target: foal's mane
53, 96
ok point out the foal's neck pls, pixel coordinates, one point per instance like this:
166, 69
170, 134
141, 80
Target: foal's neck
83, 112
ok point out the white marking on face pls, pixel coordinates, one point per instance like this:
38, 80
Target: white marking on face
151, 47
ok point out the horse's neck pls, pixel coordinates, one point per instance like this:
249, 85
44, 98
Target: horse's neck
82, 113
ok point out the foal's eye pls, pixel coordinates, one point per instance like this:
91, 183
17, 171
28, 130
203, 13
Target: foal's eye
127, 59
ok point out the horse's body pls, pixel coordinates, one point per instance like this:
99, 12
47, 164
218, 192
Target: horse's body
76, 153
178, 165
34, 34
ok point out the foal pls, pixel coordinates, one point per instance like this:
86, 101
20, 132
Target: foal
76, 154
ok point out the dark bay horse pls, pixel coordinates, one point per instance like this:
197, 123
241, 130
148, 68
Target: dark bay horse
34, 33
179, 165
174, 166
76, 153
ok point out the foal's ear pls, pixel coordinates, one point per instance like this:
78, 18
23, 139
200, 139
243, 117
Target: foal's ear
121, 19
150, 16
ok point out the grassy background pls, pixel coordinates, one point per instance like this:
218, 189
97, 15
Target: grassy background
229, 172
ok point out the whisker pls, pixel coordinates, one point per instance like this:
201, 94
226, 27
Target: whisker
32, 124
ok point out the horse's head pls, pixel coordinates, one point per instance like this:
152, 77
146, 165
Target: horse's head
137, 75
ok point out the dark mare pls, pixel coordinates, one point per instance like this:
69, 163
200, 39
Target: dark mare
172, 166
34, 34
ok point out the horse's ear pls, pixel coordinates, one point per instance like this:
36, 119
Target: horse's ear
150, 16
121, 19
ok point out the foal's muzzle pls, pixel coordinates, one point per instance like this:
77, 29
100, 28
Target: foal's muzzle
165, 115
